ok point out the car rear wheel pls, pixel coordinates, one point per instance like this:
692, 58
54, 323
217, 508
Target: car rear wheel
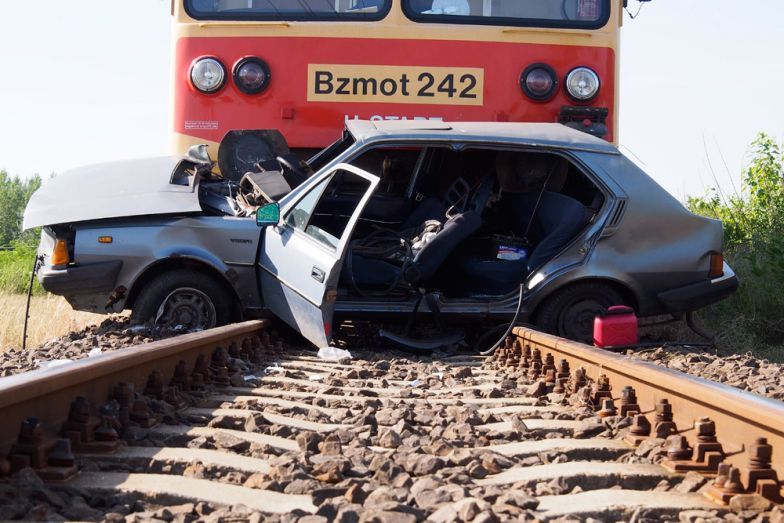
188, 299
570, 312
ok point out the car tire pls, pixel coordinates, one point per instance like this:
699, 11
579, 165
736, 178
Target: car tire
570, 312
187, 298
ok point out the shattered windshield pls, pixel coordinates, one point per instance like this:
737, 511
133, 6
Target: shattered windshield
531, 13
335, 10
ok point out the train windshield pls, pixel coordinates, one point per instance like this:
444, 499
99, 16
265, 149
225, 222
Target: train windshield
333, 10
587, 14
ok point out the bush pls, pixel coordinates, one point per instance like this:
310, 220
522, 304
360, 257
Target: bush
17, 248
15, 267
753, 220
14, 195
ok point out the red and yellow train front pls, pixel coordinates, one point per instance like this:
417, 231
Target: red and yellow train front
304, 66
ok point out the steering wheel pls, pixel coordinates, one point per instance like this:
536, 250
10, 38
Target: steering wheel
294, 168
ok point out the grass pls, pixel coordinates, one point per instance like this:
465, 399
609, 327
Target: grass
749, 321
50, 316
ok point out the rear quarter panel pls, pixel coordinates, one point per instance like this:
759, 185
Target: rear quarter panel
659, 244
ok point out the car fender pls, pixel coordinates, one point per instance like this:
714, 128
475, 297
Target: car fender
225, 249
176, 258
583, 273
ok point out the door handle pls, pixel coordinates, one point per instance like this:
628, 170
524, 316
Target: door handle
317, 274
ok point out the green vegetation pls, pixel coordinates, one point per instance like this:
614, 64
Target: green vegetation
17, 248
752, 320
15, 267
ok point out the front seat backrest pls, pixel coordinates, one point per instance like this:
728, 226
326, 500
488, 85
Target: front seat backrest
436, 251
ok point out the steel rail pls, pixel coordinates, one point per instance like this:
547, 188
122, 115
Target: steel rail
740, 417
47, 394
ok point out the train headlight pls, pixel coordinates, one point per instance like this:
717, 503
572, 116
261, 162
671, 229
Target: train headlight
208, 75
539, 82
251, 75
582, 84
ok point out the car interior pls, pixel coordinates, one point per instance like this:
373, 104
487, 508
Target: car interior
413, 233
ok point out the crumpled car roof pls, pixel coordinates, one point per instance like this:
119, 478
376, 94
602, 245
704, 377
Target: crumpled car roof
111, 190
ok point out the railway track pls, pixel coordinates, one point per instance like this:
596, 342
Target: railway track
232, 424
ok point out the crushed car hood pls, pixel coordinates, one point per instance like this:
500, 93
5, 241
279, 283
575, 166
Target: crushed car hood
111, 190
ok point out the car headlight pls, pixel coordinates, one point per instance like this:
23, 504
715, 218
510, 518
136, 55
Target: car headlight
539, 82
208, 75
582, 84
251, 75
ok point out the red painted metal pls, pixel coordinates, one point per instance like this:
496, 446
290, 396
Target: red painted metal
284, 105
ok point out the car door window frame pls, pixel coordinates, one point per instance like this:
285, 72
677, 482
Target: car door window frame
290, 206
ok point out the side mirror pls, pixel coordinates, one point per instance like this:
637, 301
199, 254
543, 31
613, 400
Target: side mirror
268, 214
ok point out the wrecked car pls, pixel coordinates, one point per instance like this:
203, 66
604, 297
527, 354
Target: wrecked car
467, 221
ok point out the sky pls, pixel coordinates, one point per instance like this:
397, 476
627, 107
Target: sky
88, 81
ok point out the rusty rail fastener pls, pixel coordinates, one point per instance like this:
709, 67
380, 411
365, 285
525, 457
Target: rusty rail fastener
154, 388
601, 390
758, 476
726, 484
578, 380
706, 455
29, 449
549, 363
536, 369
679, 449
140, 414
201, 372
123, 394
563, 369
664, 426
181, 380
525, 359
629, 405
639, 431
549, 378
61, 463
608, 409
220, 367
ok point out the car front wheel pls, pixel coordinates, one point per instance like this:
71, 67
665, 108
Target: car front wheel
570, 312
183, 299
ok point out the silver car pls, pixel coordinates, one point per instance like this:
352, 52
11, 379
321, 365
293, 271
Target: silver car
392, 218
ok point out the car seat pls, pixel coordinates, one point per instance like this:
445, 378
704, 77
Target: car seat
415, 269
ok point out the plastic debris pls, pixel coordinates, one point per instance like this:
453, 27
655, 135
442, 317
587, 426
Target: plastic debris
333, 353
316, 377
416, 383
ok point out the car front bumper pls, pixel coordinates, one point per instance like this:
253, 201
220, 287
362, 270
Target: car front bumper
697, 295
88, 278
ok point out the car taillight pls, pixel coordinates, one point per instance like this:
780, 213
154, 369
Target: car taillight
251, 75
539, 82
716, 266
582, 84
60, 254
208, 75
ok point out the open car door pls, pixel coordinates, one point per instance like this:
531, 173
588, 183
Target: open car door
302, 256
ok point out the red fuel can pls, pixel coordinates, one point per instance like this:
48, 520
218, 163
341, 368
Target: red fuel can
617, 326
